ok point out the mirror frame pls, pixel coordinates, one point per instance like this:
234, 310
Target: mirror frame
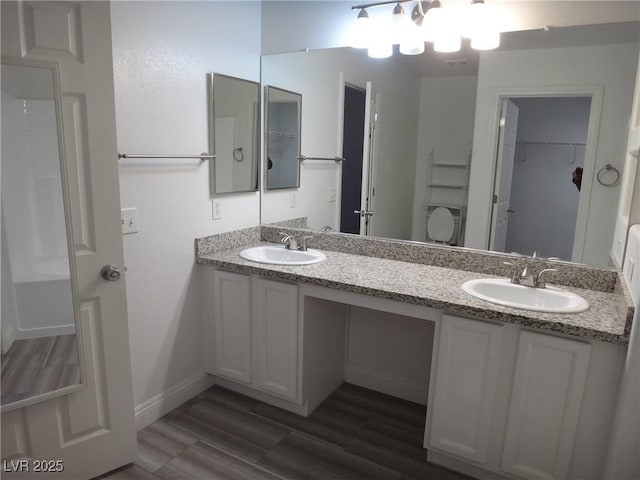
211, 76
54, 68
266, 139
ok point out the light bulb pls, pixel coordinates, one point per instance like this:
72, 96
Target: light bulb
380, 45
432, 22
448, 34
487, 40
447, 41
481, 26
361, 31
413, 42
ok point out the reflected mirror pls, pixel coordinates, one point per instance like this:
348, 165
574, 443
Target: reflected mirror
234, 114
39, 306
282, 144
432, 168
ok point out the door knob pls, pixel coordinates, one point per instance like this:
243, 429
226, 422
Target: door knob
110, 273
510, 210
363, 213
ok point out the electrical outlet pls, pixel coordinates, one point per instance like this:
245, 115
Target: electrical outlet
293, 199
332, 194
217, 209
129, 220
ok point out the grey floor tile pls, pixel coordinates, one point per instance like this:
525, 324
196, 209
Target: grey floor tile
299, 457
252, 428
160, 442
228, 442
229, 399
202, 462
377, 405
325, 423
132, 472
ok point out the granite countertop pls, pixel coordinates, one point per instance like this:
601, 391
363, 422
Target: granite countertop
608, 319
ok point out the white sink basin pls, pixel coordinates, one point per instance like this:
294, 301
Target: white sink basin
279, 255
502, 292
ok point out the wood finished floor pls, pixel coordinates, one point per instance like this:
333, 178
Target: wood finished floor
33, 366
356, 434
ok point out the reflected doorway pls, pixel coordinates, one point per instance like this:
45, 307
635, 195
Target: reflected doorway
537, 189
352, 152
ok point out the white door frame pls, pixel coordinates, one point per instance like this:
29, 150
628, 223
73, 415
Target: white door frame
596, 93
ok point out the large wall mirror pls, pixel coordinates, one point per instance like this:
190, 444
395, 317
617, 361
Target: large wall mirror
282, 139
234, 123
516, 150
40, 356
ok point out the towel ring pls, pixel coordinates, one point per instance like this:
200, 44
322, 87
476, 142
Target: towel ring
608, 168
238, 154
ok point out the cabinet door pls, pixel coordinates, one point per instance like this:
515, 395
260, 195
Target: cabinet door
276, 337
464, 388
545, 404
232, 297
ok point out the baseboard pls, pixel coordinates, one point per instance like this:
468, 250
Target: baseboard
464, 467
385, 383
288, 405
151, 410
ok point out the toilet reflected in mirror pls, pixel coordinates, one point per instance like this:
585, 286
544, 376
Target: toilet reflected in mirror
39, 305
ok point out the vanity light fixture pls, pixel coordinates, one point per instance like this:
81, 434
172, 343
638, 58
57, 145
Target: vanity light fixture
429, 22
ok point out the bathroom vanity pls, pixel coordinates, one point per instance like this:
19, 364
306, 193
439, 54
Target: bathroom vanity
511, 393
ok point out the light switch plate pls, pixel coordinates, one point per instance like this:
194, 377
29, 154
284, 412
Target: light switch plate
332, 194
129, 220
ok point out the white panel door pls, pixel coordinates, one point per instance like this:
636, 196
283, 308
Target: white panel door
276, 337
504, 174
468, 360
547, 391
232, 297
91, 430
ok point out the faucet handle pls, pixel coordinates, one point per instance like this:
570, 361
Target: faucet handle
289, 241
285, 237
540, 283
303, 242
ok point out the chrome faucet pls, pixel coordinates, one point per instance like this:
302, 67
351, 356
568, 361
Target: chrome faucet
526, 277
289, 241
522, 277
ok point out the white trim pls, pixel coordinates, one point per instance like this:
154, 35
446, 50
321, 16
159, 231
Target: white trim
383, 382
152, 409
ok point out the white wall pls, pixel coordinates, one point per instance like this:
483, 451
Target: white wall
162, 52
611, 67
445, 128
543, 197
317, 76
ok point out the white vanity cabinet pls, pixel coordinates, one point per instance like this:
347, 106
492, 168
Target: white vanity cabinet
505, 401
466, 374
256, 333
546, 397
232, 320
275, 337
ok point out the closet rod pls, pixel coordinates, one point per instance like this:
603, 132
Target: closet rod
202, 156
562, 144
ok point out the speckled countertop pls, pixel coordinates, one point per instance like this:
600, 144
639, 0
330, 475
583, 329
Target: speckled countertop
608, 318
